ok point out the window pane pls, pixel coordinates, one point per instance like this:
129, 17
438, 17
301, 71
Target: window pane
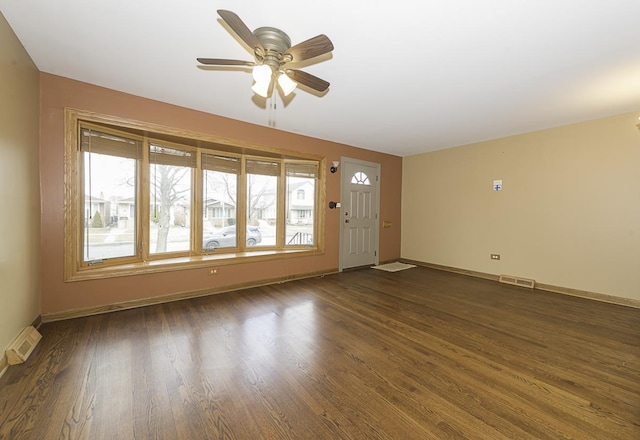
360, 178
262, 201
109, 226
170, 177
301, 199
220, 190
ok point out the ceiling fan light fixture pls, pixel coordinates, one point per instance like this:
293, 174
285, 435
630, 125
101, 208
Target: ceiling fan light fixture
261, 88
286, 84
262, 73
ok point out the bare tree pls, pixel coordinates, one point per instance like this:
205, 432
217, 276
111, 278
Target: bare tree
227, 183
260, 195
166, 181
260, 191
222, 188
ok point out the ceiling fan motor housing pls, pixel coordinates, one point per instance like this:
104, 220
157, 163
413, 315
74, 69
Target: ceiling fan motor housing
273, 39
275, 43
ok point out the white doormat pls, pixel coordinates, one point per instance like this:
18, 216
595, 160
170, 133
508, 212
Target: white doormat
394, 267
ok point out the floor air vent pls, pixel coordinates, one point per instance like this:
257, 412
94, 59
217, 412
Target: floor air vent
517, 281
21, 348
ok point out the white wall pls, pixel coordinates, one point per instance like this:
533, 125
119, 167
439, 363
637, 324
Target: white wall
19, 188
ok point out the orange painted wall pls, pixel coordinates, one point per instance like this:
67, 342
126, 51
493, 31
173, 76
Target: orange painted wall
57, 93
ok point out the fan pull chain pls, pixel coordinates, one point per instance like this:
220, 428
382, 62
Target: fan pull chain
273, 106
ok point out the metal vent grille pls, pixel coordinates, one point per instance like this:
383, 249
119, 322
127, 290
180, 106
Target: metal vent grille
23, 346
517, 281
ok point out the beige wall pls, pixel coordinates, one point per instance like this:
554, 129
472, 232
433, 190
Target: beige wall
19, 188
568, 214
58, 296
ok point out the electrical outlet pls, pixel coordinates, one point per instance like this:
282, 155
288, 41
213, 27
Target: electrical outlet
214, 271
495, 256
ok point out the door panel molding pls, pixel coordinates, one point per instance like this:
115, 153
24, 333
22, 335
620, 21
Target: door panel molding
359, 213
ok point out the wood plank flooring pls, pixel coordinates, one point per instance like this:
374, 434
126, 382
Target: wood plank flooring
366, 354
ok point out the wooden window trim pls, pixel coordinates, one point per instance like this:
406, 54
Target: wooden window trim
73, 271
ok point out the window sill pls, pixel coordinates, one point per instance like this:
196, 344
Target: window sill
186, 263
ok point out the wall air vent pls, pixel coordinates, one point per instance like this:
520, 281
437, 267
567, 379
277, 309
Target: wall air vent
22, 346
517, 281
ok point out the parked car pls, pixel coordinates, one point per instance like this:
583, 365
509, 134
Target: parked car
226, 237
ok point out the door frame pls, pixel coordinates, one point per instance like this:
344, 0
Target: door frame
343, 185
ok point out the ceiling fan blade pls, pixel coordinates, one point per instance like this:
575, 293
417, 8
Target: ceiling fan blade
223, 62
310, 48
240, 29
307, 79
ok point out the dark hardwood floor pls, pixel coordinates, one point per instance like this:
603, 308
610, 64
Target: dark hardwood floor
418, 354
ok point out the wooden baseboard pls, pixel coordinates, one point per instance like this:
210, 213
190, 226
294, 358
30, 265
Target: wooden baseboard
628, 302
126, 305
78, 313
36, 322
4, 364
590, 295
471, 273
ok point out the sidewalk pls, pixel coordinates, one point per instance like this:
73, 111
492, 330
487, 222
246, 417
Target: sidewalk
98, 236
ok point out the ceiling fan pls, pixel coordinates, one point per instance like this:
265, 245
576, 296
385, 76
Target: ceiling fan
273, 54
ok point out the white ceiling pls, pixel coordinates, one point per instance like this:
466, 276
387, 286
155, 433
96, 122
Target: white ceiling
406, 76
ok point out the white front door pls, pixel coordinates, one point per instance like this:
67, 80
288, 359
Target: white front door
359, 213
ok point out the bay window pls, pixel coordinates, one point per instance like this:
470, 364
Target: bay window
149, 198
